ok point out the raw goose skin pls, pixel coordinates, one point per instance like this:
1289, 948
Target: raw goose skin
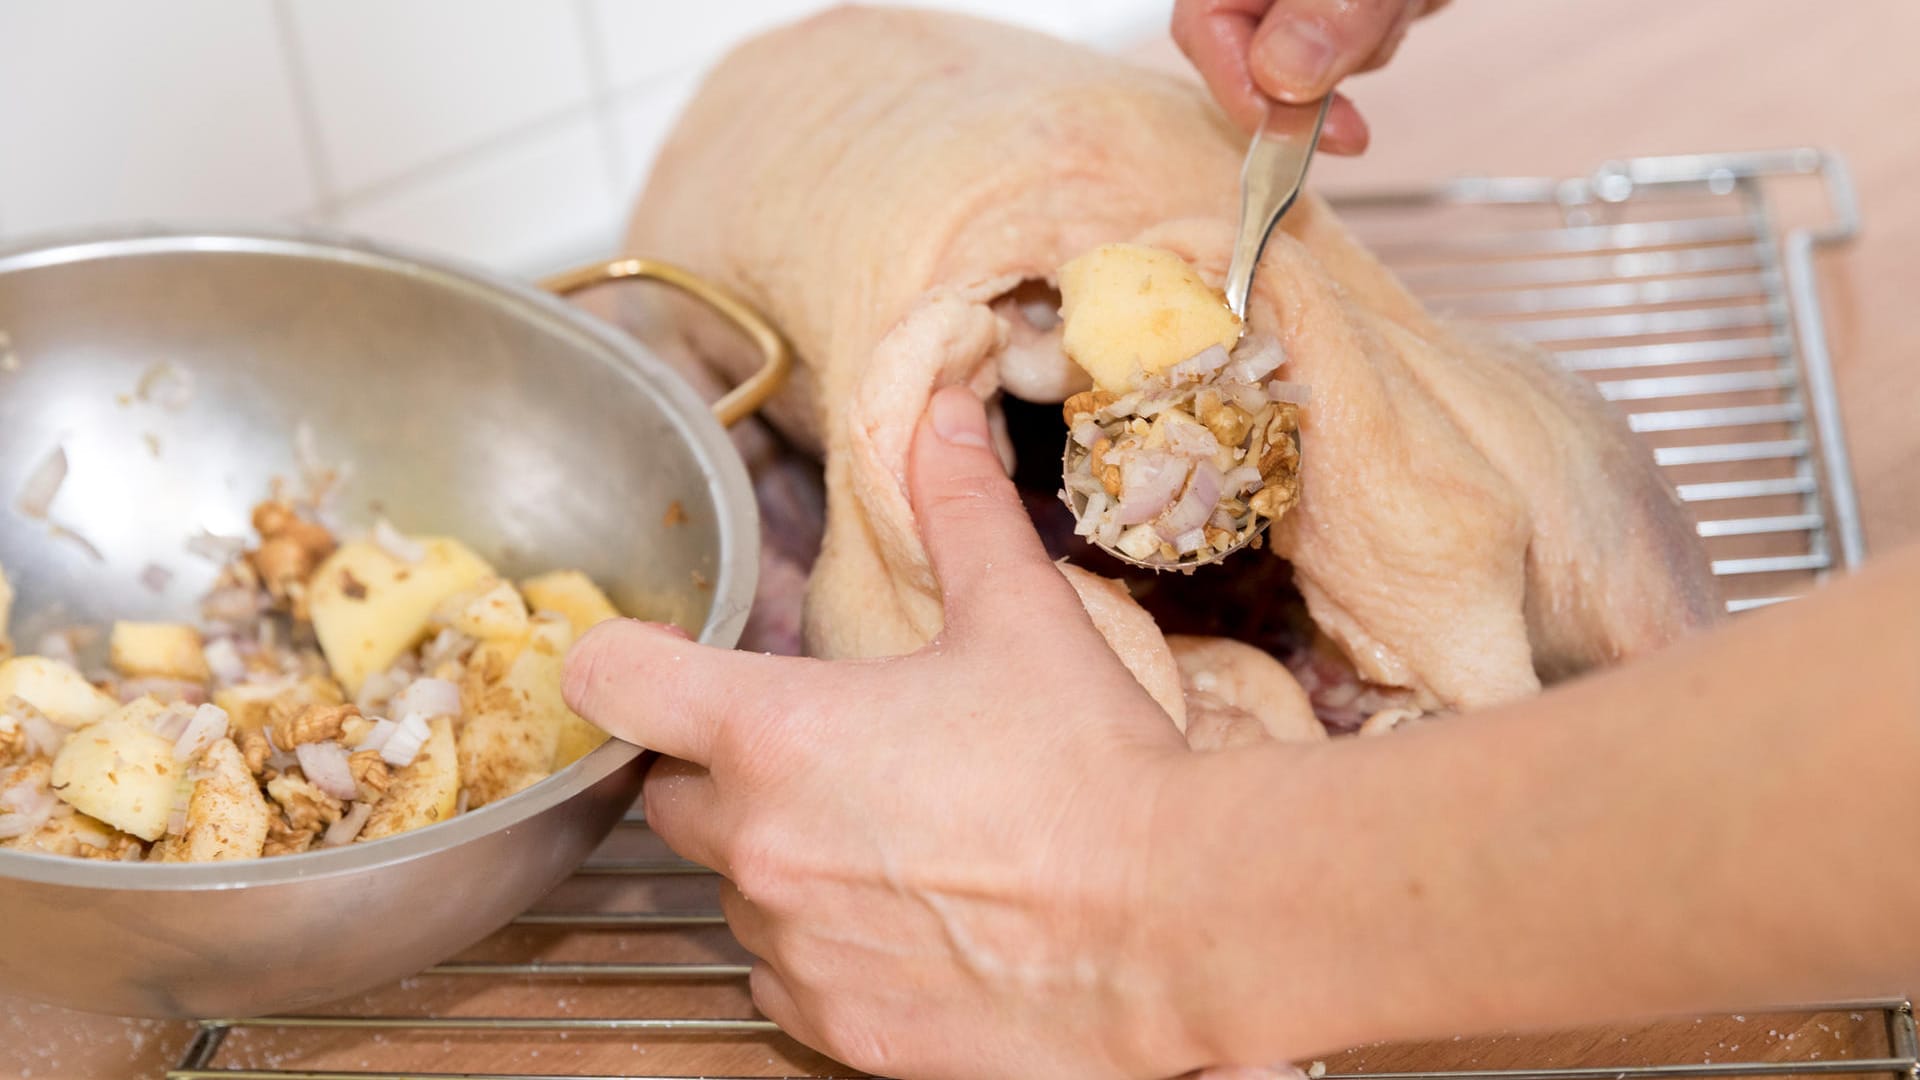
888, 185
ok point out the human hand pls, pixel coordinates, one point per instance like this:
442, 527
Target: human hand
1254, 52
945, 862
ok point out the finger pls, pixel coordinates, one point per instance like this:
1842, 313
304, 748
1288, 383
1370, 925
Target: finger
776, 1003
749, 924
1345, 130
684, 810
649, 685
1215, 36
1303, 48
976, 529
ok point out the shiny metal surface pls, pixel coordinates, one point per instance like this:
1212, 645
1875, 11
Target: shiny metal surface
467, 405
1270, 179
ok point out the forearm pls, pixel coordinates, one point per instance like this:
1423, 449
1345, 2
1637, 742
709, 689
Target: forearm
1715, 826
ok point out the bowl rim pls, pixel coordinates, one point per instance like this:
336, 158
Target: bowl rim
736, 514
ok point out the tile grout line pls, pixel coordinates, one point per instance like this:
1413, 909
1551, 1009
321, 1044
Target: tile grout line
613, 152
453, 160
326, 205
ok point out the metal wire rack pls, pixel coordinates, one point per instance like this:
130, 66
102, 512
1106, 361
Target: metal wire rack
1674, 282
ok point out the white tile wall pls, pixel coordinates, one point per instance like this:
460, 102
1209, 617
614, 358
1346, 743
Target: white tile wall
395, 86
512, 132
116, 109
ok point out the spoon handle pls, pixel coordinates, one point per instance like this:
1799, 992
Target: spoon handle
1275, 170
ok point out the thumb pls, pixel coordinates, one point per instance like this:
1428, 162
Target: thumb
983, 547
1304, 47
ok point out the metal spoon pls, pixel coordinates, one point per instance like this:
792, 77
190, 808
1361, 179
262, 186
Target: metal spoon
1270, 180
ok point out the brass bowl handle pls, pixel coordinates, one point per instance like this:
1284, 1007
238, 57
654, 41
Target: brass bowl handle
777, 359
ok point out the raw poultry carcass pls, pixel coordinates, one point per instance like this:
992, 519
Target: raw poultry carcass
899, 190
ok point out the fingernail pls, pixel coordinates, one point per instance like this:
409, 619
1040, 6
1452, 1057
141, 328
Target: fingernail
958, 417
1298, 54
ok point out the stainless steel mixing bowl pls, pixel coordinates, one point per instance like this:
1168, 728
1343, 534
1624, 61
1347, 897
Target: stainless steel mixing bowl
467, 405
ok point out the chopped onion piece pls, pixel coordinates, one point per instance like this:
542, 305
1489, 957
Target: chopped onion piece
426, 699
1195, 504
1292, 393
79, 540
224, 660
1149, 482
402, 547
36, 496
1087, 432
58, 646
156, 577
209, 724
1254, 359
1188, 437
1239, 481
325, 763
405, 742
347, 829
376, 736
1200, 365
379, 688
172, 722
1248, 397
1190, 541
44, 737
1093, 514
449, 644
215, 548
1081, 483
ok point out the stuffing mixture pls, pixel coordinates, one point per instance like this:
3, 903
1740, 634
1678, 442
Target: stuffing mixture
332, 692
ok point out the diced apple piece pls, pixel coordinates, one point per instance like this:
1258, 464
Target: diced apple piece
119, 771
75, 834
1130, 311
512, 740
61, 693
491, 611
572, 594
143, 650
227, 817
426, 791
369, 607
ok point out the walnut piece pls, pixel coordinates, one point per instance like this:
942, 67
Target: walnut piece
1228, 422
370, 774
284, 839
1274, 499
294, 724
255, 749
121, 848
1086, 402
290, 548
306, 806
